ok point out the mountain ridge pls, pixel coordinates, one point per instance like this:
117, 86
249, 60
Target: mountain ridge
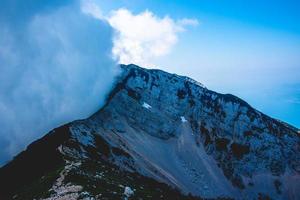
171, 129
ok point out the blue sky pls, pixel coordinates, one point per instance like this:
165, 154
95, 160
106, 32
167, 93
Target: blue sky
248, 48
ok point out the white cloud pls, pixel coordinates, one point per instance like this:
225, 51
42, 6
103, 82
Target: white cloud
140, 38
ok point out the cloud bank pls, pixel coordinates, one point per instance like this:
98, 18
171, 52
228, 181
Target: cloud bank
55, 67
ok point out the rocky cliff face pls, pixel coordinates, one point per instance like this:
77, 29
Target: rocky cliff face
166, 129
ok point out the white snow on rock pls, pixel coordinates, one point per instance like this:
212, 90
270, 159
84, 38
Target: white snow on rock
183, 120
147, 106
128, 192
60, 149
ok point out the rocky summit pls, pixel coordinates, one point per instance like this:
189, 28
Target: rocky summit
161, 136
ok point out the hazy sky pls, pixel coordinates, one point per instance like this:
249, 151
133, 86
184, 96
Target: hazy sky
58, 58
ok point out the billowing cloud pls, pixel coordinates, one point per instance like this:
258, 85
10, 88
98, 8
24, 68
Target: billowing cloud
142, 37
55, 67
56, 61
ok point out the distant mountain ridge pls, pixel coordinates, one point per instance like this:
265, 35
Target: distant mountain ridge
162, 133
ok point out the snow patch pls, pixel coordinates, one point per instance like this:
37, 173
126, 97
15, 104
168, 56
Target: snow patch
128, 192
60, 149
183, 120
147, 106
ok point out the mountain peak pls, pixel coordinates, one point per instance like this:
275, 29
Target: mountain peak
174, 133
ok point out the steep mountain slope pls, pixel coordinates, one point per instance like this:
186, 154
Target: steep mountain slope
160, 128
58, 166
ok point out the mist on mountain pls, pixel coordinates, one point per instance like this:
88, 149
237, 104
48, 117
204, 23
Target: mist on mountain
55, 67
